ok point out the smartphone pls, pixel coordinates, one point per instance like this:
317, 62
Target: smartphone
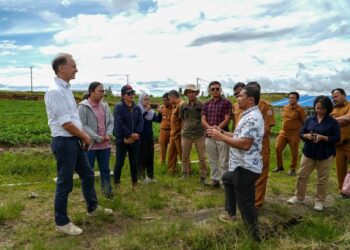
154, 105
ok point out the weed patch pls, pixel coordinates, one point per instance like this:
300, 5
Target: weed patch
10, 211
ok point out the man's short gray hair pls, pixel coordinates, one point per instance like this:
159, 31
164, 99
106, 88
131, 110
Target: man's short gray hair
60, 59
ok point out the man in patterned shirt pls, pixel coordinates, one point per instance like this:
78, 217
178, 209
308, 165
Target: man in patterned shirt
216, 112
245, 162
269, 121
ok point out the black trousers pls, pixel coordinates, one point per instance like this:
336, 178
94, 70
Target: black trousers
133, 152
146, 160
240, 189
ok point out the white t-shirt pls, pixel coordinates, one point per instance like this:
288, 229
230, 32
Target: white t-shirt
251, 125
61, 108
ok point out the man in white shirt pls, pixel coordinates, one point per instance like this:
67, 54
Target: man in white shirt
245, 162
68, 143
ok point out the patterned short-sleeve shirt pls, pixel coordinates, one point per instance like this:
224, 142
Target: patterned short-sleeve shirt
251, 125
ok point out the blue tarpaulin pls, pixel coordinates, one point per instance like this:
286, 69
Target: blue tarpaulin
304, 101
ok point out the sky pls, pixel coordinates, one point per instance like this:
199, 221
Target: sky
157, 46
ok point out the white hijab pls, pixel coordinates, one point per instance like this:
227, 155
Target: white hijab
150, 113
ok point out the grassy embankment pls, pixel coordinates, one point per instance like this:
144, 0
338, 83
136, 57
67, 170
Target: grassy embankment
169, 214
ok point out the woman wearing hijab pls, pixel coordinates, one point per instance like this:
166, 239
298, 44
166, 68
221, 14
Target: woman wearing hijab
146, 160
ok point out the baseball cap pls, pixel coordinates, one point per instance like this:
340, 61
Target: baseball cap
126, 89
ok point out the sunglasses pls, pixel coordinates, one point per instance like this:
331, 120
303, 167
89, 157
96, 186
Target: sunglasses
130, 93
215, 89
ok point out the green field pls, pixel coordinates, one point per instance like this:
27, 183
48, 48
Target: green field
170, 214
24, 122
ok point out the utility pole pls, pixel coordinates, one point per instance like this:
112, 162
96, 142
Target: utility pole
127, 79
31, 78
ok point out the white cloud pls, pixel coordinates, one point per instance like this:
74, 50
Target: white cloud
50, 16
239, 41
120, 5
11, 48
65, 2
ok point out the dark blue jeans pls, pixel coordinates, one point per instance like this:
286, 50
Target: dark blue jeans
240, 188
102, 156
70, 158
133, 152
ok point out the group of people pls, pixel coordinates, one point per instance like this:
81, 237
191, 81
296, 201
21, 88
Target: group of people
238, 158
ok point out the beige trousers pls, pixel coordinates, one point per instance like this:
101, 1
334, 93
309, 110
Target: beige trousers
307, 165
218, 155
186, 145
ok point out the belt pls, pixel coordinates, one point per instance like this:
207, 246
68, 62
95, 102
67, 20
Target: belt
65, 137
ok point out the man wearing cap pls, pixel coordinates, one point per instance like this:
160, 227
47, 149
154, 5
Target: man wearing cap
175, 131
164, 135
236, 111
269, 121
192, 132
293, 117
128, 125
341, 113
68, 143
216, 112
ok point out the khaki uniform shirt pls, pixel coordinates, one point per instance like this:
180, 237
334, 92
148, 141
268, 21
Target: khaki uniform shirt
237, 113
268, 115
166, 117
175, 122
293, 118
339, 111
191, 116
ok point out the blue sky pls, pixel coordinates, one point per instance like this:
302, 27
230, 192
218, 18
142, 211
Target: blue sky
163, 45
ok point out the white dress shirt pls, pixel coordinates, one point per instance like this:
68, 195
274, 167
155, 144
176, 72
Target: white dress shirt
61, 108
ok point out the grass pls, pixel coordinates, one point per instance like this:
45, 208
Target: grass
24, 122
10, 211
170, 214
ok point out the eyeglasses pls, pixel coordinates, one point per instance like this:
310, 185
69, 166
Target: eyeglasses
130, 93
236, 94
215, 89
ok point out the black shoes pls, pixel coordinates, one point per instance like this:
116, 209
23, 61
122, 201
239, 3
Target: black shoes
290, 173
277, 169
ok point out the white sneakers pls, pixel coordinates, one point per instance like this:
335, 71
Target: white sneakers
148, 180
70, 229
318, 206
295, 200
100, 210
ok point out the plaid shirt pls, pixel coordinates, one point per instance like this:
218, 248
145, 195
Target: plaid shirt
215, 111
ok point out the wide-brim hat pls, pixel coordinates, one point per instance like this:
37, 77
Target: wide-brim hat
191, 87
